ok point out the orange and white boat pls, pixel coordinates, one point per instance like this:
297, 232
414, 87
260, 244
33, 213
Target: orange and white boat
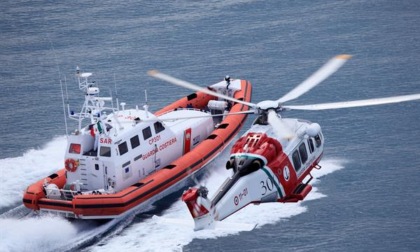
123, 160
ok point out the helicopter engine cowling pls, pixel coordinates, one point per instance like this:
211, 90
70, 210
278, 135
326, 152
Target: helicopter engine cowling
313, 129
244, 166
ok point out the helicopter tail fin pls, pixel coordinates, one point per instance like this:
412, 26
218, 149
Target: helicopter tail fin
200, 207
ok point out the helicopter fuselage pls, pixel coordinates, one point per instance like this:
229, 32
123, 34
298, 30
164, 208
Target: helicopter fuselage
265, 168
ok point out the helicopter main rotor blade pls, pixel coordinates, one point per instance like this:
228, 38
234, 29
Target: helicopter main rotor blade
280, 128
185, 84
163, 118
316, 78
357, 103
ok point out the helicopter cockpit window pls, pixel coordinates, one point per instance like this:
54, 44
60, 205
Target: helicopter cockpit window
311, 145
158, 127
303, 153
296, 160
318, 140
147, 133
105, 151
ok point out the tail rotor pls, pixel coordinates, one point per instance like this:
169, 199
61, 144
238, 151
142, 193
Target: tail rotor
200, 207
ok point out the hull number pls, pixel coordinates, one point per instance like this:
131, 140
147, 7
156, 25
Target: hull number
266, 186
154, 139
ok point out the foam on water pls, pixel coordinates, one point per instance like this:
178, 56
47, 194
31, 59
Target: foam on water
54, 233
41, 234
149, 235
44, 233
157, 234
19, 172
22, 232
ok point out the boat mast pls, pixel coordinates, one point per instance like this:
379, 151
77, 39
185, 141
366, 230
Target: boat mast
93, 106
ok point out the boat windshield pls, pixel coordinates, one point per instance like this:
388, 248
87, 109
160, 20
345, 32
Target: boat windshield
75, 148
105, 151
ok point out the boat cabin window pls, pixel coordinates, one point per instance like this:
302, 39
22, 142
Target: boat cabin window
135, 141
318, 140
311, 145
303, 153
75, 148
158, 127
105, 151
122, 147
296, 160
147, 133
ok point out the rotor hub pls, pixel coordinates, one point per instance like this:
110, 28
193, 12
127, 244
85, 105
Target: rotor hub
265, 105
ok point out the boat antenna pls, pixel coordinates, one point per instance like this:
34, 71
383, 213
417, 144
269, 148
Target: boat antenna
55, 56
61, 84
116, 93
112, 100
64, 105
145, 106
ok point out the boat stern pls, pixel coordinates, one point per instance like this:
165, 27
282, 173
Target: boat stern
38, 190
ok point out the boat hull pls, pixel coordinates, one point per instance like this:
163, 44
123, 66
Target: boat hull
139, 196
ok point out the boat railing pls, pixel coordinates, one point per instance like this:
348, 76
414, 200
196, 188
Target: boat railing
68, 194
191, 109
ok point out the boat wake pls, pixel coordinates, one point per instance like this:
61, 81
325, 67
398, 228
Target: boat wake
23, 231
19, 172
54, 233
159, 234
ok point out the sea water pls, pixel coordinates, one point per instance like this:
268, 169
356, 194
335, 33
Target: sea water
365, 197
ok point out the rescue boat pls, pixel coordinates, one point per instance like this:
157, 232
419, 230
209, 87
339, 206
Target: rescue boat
123, 160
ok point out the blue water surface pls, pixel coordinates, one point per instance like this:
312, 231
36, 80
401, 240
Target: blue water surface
373, 204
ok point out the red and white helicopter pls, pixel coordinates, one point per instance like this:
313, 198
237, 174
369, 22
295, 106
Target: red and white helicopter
273, 160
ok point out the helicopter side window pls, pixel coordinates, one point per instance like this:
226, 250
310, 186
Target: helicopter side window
122, 147
311, 145
296, 160
147, 133
303, 153
158, 127
318, 140
105, 151
135, 141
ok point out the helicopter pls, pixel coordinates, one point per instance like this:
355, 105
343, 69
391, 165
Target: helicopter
273, 160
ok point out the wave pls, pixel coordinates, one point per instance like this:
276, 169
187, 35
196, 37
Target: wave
22, 232
19, 172
43, 233
154, 234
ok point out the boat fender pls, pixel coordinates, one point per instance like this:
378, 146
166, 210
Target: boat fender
71, 164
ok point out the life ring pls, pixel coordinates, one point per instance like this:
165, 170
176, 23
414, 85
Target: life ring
71, 165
